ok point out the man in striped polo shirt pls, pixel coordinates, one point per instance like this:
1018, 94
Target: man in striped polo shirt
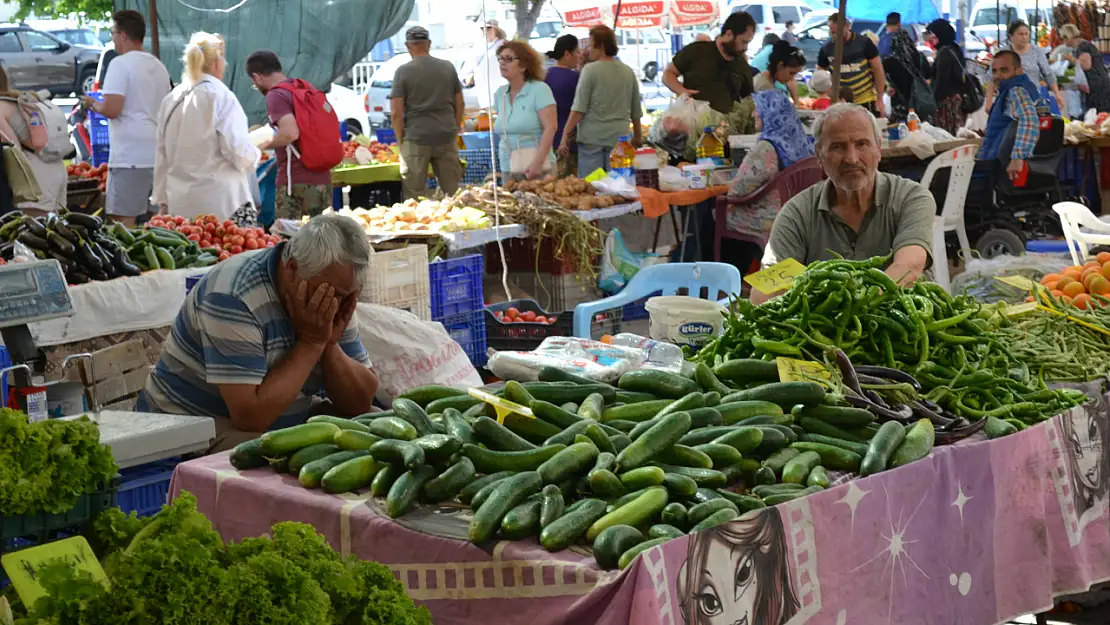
263, 333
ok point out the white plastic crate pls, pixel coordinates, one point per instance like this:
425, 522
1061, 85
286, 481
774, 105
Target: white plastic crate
399, 278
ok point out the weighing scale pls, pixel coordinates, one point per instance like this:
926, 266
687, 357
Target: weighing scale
30, 292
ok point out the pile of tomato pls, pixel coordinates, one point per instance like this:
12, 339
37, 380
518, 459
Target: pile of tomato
209, 231
513, 315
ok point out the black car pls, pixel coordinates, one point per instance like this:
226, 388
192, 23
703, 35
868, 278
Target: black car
35, 60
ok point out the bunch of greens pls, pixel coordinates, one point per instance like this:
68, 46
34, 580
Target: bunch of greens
173, 569
45, 466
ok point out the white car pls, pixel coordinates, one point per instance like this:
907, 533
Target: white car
989, 21
376, 101
771, 16
349, 108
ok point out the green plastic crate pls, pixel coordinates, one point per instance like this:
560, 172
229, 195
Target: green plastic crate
86, 509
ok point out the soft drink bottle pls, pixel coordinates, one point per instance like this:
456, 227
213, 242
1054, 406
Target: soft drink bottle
913, 122
620, 160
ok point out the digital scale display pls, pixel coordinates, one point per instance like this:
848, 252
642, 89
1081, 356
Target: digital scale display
17, 283
31, 292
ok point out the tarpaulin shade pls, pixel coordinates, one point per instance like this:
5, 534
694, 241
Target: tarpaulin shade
913, 11
317, 40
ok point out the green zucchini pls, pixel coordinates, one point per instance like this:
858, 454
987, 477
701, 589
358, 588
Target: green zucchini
405, 490
281, 443
612, 542
919, 442
882, 447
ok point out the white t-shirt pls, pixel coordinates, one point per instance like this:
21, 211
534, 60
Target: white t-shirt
143, 82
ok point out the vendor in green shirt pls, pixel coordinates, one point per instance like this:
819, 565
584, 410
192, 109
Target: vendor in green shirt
715, 71
859, 212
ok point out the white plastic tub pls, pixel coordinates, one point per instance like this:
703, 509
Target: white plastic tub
684, 320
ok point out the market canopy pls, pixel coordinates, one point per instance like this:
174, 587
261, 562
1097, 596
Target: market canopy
913, 11
645, 14
316, 40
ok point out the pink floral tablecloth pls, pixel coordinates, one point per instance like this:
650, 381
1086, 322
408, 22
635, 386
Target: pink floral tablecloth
973, 535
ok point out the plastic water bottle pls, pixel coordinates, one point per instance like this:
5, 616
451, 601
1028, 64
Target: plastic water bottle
710, 147
620, 160
660, 354
903, 131
913, 122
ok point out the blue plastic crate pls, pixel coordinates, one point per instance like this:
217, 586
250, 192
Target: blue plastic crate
98, 124
99, 155
456, 286
5, 362
1047, 246
476, 140
469, 331
385, 135
144, 488
480, 164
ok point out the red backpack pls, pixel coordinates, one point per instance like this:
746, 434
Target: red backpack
319, 146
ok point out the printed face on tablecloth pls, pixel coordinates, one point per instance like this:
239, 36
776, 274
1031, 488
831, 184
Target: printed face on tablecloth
1084, 435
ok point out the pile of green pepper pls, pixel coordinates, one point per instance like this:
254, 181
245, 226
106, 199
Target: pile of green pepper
948, 343
158, 248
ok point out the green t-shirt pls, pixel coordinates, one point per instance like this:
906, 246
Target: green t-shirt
807, 230
717, 81
608, 96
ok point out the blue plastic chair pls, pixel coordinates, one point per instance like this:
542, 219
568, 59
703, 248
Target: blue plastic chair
668, 278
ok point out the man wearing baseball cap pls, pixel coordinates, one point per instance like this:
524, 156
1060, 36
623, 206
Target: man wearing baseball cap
426, 106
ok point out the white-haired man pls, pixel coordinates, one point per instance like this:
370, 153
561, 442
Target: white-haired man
263, 333
859, 212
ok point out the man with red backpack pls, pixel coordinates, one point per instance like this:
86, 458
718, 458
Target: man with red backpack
306, 137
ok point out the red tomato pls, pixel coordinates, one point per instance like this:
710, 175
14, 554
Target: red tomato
252, 244
540, 319
227, 247
219, 231
236, 249
238, 240
209, 227
224, 256
228, 224
253, 233
512, 312
178, 219
528, 316
194, 237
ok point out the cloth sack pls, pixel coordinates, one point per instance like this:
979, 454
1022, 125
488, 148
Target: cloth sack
21, 178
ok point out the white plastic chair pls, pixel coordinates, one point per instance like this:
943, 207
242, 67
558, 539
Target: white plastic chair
962, 161
1074, 215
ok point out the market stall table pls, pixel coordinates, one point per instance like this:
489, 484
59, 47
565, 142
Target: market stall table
656, 203
975, 534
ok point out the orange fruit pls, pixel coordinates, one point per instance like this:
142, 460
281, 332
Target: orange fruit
1089, 275
1064, 300
1092, 265
1052, 286
1099, 285
1103, 257
1081, 301
1050, 277
1063, 282
1073, 289
1073, 272
1056, 294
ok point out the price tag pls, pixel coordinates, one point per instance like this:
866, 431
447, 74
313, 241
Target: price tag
1021, 282
794, 370
23, 566
777, 277
502, 406
1020, 309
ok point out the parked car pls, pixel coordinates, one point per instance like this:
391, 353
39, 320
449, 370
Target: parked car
70, 32
771, 16
989, 21
376, 100
349, 107
36, 60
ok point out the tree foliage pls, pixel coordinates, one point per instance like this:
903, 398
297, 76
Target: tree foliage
84, 9
527, 12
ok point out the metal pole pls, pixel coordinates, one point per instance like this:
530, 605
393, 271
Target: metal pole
838, 54
153, 5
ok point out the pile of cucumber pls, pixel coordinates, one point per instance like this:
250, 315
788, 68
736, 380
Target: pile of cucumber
621, 468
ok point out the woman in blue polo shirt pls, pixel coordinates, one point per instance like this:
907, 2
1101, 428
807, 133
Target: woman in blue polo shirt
526, 114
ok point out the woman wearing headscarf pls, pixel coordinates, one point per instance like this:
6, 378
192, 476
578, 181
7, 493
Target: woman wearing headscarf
949, 74
782, 142
903, 67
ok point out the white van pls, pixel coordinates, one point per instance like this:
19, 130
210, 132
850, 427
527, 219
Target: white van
990, 19
771, 16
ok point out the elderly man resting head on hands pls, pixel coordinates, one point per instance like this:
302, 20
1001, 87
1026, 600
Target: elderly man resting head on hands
263, 333
859, 212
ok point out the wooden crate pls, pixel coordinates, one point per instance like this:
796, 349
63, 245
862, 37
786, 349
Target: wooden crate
118, 374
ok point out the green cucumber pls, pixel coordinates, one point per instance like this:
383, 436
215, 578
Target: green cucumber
684, 456
553, 374
310, 454
566, 437
717, 518
630, 555
712, 398
620, 442
785, 394
248, 455
775, 500
568, 528
570, 407
840, 416
350, 475
478, 410
523, 520
592, 407
623, 499
798, 468
406, 488
533, 430
919, 442
493, 461
686, 403
505, 496
818, 477
340, 422
997, 428
449, 483
627, 427
352, 440
704, 418
766, 490
438, 448
746, 439
456, 425
568, 463
788, 433
659, 437
552, 505
633, 397
882, 447
560, 393
744, 370
743, 503
497, 436
642, 427
605, 484
859, 448
773, 440
385, 478
393, 427
641, 411
661, 383
720, 455
698, 513
674, 514
644, 477
705, 494
709, 478
404, 453
777, 461
663, 530
693, 438
466, 495
679, 486
832, 457
424, 395
767, 419
594, 432
736, 411
764, 476
612, 542
817, 426
312, 472
708, 380
281, 443
516, 393
462, 403
637, 512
